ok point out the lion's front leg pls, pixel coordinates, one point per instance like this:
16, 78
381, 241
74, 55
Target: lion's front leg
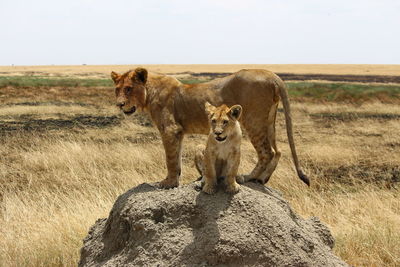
172, 141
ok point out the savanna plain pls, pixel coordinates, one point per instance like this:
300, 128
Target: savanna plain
66, 153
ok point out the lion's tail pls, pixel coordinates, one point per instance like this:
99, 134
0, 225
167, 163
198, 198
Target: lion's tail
289, 129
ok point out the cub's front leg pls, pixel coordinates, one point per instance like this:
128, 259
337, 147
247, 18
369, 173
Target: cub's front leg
209, 174
231, 171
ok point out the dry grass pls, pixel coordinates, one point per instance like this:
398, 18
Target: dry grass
96, 71
55, 183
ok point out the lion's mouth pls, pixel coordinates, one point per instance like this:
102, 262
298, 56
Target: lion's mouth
131, 111
220, 139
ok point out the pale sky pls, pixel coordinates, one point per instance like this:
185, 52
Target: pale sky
61, 32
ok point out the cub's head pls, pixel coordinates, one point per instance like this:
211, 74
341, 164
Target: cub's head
130, 90
223, 120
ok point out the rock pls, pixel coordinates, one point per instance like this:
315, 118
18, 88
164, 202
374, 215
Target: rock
183, 227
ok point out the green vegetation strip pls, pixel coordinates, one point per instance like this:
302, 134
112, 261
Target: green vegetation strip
313, 90
343, 91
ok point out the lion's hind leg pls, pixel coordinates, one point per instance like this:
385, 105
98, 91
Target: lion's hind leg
262, 136
271, 166
271, 136
265, 155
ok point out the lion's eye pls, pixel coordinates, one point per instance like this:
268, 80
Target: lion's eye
225, 121
128, 89
214, 121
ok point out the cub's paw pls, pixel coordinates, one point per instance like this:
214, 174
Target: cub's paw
209, 188
168, 183
232, 188
198, 185
240, 179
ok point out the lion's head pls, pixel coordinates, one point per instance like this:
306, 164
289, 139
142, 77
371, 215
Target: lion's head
130, 90
223, 120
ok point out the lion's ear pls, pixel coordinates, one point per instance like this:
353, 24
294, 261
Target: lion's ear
141, 74
115, 76
209, 108
235, 111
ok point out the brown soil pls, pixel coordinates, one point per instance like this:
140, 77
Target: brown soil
352, 116
27, 123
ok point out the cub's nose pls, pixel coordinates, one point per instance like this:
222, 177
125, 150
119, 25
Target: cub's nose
218, 133
120, 104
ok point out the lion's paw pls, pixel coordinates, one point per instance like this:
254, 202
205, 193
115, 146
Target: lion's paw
168, 183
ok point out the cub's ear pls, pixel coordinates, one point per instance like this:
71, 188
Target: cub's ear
115, 76
209, 108
141, 74
235, 111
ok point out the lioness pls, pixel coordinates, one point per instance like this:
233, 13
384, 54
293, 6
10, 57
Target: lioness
177, 109
221, 156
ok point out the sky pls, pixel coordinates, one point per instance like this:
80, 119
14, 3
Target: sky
64, 32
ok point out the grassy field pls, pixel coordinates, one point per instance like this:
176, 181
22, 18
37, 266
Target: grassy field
312, 91
66, 153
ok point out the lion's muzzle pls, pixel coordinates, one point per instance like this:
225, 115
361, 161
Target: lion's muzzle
220, 138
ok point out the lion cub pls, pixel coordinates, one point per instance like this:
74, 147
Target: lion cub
221, 156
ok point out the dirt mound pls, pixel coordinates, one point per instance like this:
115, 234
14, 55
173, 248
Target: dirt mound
184, 227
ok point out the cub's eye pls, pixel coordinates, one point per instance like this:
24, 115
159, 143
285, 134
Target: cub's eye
225, 121
128, 89
214, 121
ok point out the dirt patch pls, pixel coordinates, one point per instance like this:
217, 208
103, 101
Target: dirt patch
393, 145
99, 96
183, 227
27, 123
363, 172
136, 138
352, 116
49, 103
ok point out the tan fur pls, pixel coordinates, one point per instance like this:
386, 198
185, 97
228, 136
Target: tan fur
177, 109
221, 156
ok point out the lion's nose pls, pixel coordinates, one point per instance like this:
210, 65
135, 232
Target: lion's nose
120, 104
218, 133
